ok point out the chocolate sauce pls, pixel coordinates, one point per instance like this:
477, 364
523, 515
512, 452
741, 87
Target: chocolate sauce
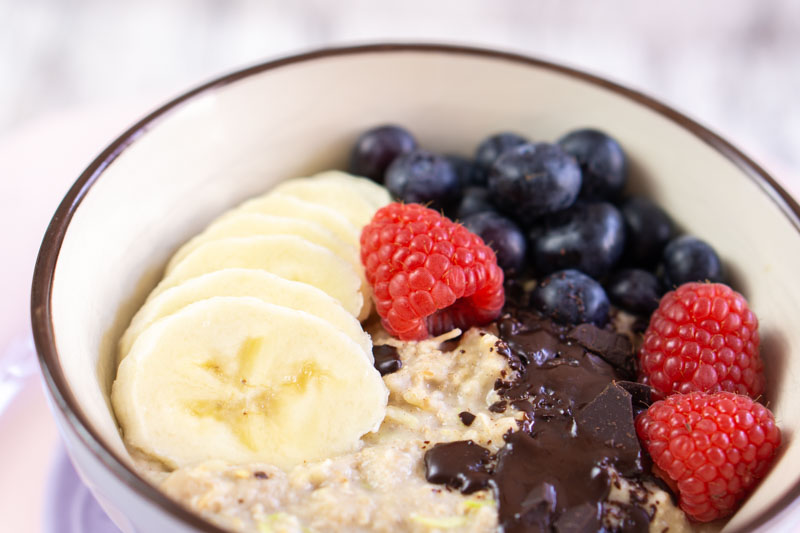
551, 475
387, 360
461, 465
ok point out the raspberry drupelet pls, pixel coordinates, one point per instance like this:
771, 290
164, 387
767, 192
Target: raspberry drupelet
711, 448
702, 337
429, 274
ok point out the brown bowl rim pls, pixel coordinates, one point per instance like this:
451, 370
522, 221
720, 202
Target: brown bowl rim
41, 291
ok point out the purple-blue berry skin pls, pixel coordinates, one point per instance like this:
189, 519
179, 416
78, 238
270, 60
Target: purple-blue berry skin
423, 177
571, 297
648, 228
635, 290
489, 150
474, 200
532, 180
502, 235
604, 165
376, 148
466, 170
687, 258
586, 237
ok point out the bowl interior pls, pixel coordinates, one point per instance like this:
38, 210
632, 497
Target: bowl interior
238, 138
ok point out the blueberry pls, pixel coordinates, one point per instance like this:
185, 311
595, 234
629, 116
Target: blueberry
466, 170
376, 148
474, 200
587, 237
502, 235
648, 229
603, 162
571, 297
635, 290
490, 149
423, 177
532, 180
687, 258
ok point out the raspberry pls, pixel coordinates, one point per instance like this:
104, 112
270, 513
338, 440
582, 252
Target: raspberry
712, 448
702, 337
429, 274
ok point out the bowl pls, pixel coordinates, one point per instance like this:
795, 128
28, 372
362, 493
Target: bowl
162, 180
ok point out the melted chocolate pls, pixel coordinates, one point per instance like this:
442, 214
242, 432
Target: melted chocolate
551, 474
387, 360
461, 465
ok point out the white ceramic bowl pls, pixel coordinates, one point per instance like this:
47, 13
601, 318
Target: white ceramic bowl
166, 177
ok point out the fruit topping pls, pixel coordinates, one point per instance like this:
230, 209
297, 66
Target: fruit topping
571, 297
648, 229
376, 148
474, 200
531, 180
586, 237
490, 149
423, 177
502, 235
712, 448
702, 337
603, 163
429, 274
634, 290
687, 258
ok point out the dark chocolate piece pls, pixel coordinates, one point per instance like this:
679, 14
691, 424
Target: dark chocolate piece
579, 519
387, 360
258, 474
462, 465
613, 347
466, 417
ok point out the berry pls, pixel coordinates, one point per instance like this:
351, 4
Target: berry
502, 235
474, 200
532, 180
687, 258
376, 148
648, 229
712, 448
603, 163
702, 337
571, 297
466, 171
423, 177
634, 290
490, 149
587, 237
429, 274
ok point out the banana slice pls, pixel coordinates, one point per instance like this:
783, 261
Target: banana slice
238, 379
377, 195
243, 224
258, 284
289, 206
329, 193
287, 256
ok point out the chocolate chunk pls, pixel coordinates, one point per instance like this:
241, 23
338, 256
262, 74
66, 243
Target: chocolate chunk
466, 417
579, 519
613, 347
258, 474
633, 519
387, 360
462, 465
539, 507
498, 407
608, 419
641, 394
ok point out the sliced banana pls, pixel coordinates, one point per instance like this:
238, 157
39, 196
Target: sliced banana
238, 379
258, 284
287, 256
242, 224
330, 193
377, 195
289, 206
